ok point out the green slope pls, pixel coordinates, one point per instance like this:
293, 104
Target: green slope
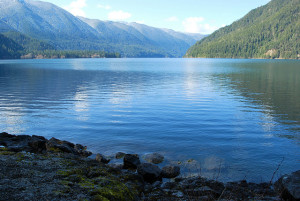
9, 49
270, 31
14, 45
28, 43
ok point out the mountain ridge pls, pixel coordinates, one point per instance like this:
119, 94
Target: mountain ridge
55, 26
269, 31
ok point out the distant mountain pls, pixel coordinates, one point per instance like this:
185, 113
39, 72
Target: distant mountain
270, 31
5, 27
161, 40
61, 30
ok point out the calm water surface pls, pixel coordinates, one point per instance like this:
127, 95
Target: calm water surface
239, 117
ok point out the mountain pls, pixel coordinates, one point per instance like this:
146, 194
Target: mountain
270, 31
9, 48
161, 40
28, 43
45, 21
61, 30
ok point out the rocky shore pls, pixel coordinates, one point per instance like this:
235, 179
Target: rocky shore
35, 168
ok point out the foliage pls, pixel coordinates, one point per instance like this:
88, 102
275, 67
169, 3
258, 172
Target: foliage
62, 54
8, 48
28, 43
14, 45
270, 31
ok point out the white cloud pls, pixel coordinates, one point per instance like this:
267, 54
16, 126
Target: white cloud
106, 7
197, 25
76, 7
172, 19
118, 15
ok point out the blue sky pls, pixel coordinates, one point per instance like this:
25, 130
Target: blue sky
194, 16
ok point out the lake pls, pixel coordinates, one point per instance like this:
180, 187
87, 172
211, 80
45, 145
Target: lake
228, 119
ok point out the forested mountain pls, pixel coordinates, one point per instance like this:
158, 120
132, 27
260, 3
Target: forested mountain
270, 31
55, 28
160, 41
28, 43
9, 49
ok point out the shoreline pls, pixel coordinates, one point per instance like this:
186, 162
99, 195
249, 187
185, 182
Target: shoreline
30, 162
241, 58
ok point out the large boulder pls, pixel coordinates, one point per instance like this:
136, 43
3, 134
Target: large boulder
155, 158
39, 144
149, 172
56, 145
35, 144
170, 171
131, 161
289, 186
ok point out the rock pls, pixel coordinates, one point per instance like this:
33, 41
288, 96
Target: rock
56, 145
101, 158
243, 183
131, 161
15, 142
289, 186
201, 191
120, 155
82, 150
118, 166
170, 171
149, 172
38, 144
35, 144
156, 184
178, 194
169, 185
155, 158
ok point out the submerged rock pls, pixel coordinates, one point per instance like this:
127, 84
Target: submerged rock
150, 172
289, 186
170, 171
155, 158
120, 155
131, 161
101, 158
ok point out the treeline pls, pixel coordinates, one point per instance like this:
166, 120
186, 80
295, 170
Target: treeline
64, 54
14, 45
270, 31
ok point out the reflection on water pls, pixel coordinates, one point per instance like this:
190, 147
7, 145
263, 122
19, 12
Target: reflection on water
239, 117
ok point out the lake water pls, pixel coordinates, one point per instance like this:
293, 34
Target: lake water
237, 117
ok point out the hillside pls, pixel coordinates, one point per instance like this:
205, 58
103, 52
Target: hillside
54, 26
270, 31
28, 43
9, 48
158, 41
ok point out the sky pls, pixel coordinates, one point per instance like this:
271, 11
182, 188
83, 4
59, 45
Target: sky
193, 16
